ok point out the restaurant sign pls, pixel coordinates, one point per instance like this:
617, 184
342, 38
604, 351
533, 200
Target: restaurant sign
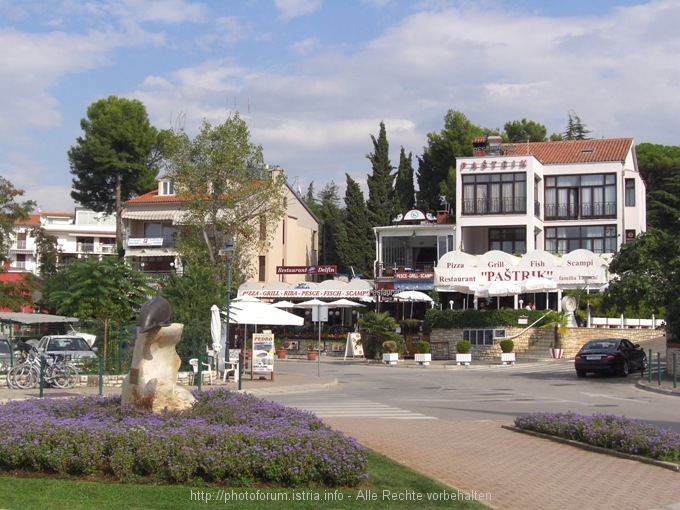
306, 269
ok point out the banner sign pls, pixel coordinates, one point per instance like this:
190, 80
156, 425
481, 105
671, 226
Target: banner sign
306, 269
263, 353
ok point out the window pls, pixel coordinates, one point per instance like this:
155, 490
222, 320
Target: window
261, 268
495, 194
630, 192
509, 240
580, 196
596, 238
482, 336
167, 188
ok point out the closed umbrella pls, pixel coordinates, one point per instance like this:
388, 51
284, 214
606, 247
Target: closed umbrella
216, 333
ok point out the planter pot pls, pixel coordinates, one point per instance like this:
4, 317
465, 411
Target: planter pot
311, 355
281, 353
423, 358
463, 358
556, 353
390, 358
508, 357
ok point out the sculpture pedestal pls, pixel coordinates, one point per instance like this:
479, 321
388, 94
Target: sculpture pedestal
152, 381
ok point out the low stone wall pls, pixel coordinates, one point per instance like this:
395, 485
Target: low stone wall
532, 342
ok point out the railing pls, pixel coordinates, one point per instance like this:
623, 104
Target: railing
622, 323
392, 269
587, 210
21, 244
495, 206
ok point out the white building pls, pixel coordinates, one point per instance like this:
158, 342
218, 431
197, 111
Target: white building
554, 196
80, 233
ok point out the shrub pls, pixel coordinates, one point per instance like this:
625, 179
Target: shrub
226, 438
389, 346
616, 433
507, 345
423, 347
463, 346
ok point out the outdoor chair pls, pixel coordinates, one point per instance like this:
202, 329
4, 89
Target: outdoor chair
207, 369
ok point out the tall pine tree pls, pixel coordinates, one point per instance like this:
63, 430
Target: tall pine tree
380, 182
358, 254
404, 189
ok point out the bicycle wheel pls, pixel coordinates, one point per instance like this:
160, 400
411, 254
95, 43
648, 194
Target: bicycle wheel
25, 377
64, 376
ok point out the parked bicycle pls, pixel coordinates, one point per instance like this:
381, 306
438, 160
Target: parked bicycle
58, 371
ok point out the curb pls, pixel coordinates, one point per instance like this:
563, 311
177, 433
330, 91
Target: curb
597, 449
657, 389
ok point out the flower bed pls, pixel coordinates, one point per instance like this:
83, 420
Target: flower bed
607, 431
227, 438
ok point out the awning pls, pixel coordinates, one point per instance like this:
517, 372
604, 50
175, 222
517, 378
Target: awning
152, 215
149, 252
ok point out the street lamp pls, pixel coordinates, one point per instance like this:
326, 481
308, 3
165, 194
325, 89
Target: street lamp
228, 253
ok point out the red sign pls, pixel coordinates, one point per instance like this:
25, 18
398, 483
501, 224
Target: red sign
306, 269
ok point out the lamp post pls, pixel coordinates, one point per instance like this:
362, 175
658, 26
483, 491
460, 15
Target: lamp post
228, 253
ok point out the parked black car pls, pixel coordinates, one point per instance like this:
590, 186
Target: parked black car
617, 355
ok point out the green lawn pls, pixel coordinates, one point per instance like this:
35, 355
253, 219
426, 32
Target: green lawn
389, 484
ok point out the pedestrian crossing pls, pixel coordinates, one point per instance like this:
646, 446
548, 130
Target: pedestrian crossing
352, 408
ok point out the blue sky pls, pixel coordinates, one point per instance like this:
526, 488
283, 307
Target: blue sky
314, 78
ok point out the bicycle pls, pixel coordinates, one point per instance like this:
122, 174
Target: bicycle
58, 372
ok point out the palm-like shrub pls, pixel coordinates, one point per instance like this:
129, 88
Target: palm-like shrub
375, 329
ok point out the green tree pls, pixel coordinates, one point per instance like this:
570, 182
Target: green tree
357, 254
107, 291
576, 129
375, 329
645, 274
191, 296
226, 192
47, 250
333, 234
439, 156
659, 167
525, 130
11, 211
404, 188
380, 182
114, 160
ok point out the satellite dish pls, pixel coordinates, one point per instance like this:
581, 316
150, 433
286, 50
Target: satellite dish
569, 303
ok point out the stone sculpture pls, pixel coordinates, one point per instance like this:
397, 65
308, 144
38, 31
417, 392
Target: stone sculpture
152, 381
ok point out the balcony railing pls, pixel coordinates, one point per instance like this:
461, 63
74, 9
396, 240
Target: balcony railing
495, 206
576, 212
418, 271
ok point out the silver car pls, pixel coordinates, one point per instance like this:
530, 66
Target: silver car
71, 346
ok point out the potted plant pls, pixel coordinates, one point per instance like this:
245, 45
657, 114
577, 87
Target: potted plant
311, 354
390, 354
507, 351
423, 355
376, 328
280, 351
559, 322
463, 354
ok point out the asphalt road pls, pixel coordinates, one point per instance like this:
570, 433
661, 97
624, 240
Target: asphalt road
478, 392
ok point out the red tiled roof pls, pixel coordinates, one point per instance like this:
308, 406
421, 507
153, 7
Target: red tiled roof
152, 197
33, 220
573, 151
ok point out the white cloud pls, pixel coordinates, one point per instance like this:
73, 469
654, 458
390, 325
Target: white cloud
294, 8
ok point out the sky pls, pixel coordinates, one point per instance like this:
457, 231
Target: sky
314, 78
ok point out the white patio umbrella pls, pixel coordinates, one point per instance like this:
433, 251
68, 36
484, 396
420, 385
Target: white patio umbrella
413, 296
498, 289
536, 284
344, 303
259, 313
283, 304
216, 333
